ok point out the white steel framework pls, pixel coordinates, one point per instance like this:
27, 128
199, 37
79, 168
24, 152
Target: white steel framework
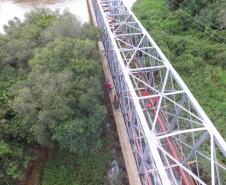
173, 140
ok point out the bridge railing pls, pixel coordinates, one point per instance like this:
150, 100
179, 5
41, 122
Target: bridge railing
135, 131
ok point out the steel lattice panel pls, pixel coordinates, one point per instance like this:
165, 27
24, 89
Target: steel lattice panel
173, 140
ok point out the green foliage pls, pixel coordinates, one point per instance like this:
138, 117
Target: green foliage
221, 59
59, 174
62, 94
65, 25
17, 46
4, 148
210, 12
50, 89
174, 4
12, 160
88, 169
194, 6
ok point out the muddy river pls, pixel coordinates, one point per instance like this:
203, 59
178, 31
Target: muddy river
10, 9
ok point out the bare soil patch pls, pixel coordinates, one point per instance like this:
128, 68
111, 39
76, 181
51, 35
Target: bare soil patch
34, 171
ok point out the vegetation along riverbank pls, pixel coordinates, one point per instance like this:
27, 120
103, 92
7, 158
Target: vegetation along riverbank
52, 109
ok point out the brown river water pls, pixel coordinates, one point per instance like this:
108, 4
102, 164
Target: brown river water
11, 8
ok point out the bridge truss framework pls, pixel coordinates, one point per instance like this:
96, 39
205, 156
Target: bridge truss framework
173, 140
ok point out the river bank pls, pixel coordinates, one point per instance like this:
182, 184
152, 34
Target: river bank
11, 9
18, 8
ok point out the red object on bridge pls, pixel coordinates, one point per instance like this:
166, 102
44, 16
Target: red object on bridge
153, 101
108, 85
146, 93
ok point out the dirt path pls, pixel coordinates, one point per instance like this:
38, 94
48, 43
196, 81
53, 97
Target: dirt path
35, 169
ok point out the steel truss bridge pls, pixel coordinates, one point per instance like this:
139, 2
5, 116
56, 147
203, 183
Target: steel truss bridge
173, 140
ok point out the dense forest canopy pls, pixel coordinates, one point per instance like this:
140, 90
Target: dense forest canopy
50, 89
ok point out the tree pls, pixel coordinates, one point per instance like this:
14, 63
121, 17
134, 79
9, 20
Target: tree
50, 89
60, 99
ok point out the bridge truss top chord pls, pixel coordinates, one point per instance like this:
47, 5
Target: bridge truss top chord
173, 140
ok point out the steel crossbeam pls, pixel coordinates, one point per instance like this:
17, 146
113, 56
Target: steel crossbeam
173, 140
